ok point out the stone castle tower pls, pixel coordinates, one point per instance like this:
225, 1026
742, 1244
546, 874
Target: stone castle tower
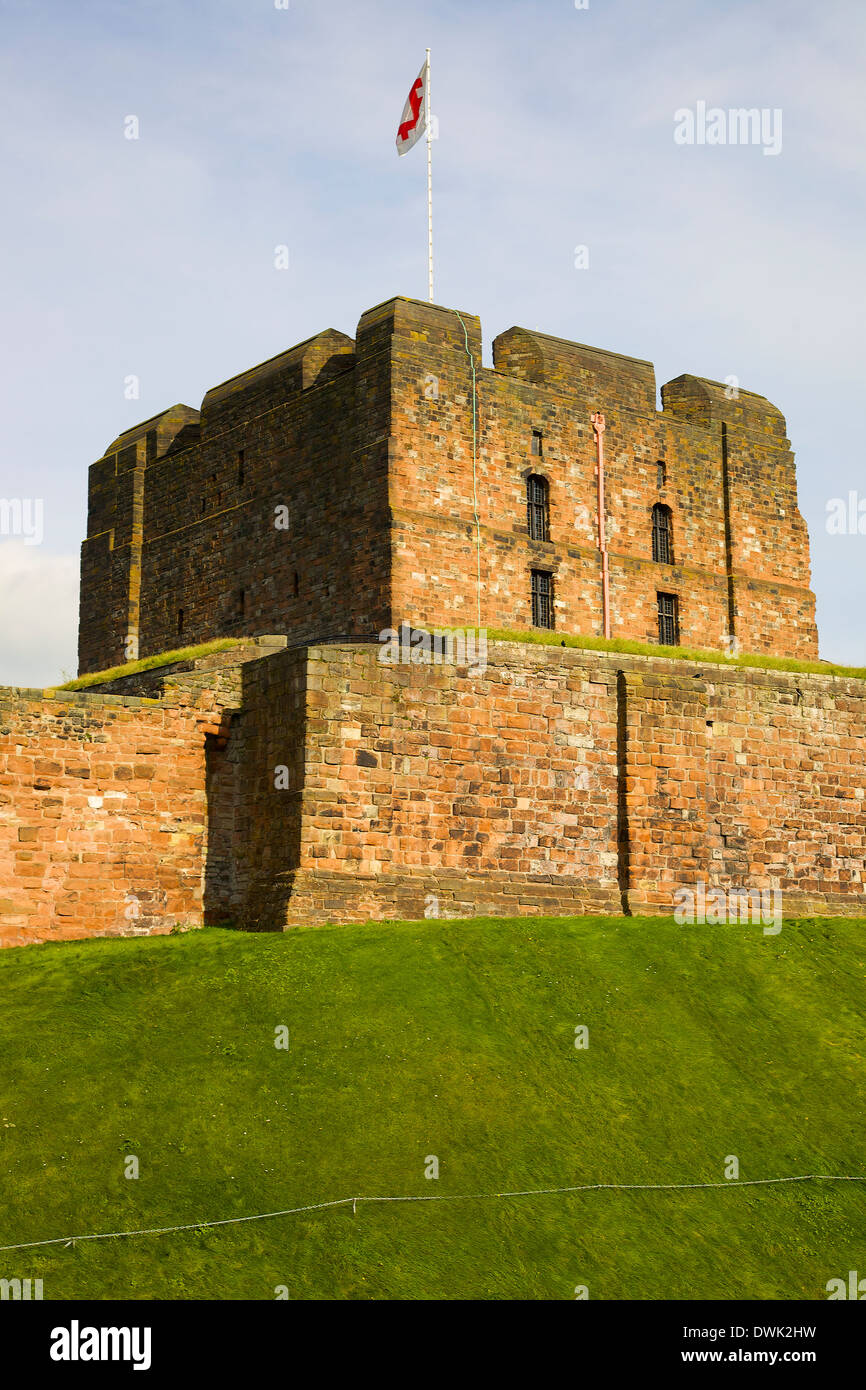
303, 775
343, 487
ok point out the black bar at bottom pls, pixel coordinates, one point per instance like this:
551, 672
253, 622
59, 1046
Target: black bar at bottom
86, 1340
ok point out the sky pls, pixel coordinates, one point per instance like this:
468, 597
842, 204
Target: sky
261, 127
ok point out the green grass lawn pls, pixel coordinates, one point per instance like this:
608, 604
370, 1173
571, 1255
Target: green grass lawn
453, 1039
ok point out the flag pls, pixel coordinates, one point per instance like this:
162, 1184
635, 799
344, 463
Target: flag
413, 122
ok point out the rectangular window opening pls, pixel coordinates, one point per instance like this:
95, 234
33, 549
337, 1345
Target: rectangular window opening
662, 543
542, 599
669, 620
537, 508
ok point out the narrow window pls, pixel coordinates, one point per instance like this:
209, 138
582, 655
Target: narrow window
663, 545
669, 620
241, 473
661, 473
202, 506
180, 622
297, 584
542, 599
536, 443
537, 508
242, 603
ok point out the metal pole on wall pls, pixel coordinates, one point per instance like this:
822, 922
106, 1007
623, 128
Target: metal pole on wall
598, 424
429, 183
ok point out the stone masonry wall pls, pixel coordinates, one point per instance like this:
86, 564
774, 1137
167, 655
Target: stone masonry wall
265, 513
554, 781
103, 818
741, 550
320, 784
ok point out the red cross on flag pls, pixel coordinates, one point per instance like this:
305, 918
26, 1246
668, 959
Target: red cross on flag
413, 122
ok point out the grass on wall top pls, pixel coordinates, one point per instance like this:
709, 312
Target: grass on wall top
149, 663
531, 635
717, 658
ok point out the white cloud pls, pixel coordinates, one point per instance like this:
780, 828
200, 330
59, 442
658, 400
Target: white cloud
38, 615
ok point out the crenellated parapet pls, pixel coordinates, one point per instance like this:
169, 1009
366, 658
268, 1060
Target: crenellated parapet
346, 485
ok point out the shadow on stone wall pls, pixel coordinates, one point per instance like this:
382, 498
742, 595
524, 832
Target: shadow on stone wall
255, 779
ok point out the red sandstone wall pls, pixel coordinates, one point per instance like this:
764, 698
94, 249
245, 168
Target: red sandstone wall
268, 748
407, 781
751, 778
102, 815
554, 781
545, 384
788, 785
324, 785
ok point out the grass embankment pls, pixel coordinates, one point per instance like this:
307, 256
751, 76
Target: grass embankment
453, 1039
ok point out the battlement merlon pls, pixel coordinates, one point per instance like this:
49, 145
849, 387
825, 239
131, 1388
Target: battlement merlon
158, 434
314, 362
428, 327
602, 379
707, 404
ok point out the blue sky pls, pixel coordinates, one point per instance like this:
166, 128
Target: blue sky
261, 127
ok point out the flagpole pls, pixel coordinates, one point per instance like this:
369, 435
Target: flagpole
429, 184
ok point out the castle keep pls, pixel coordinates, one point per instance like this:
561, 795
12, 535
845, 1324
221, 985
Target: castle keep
345, 488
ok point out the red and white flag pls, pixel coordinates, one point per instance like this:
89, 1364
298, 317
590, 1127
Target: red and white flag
413, 122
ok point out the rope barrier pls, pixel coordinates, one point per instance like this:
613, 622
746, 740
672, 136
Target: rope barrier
439, 1197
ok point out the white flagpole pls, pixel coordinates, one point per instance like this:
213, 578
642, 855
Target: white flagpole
429, 183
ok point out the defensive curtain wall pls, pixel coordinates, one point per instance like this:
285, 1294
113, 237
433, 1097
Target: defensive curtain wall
270, 785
